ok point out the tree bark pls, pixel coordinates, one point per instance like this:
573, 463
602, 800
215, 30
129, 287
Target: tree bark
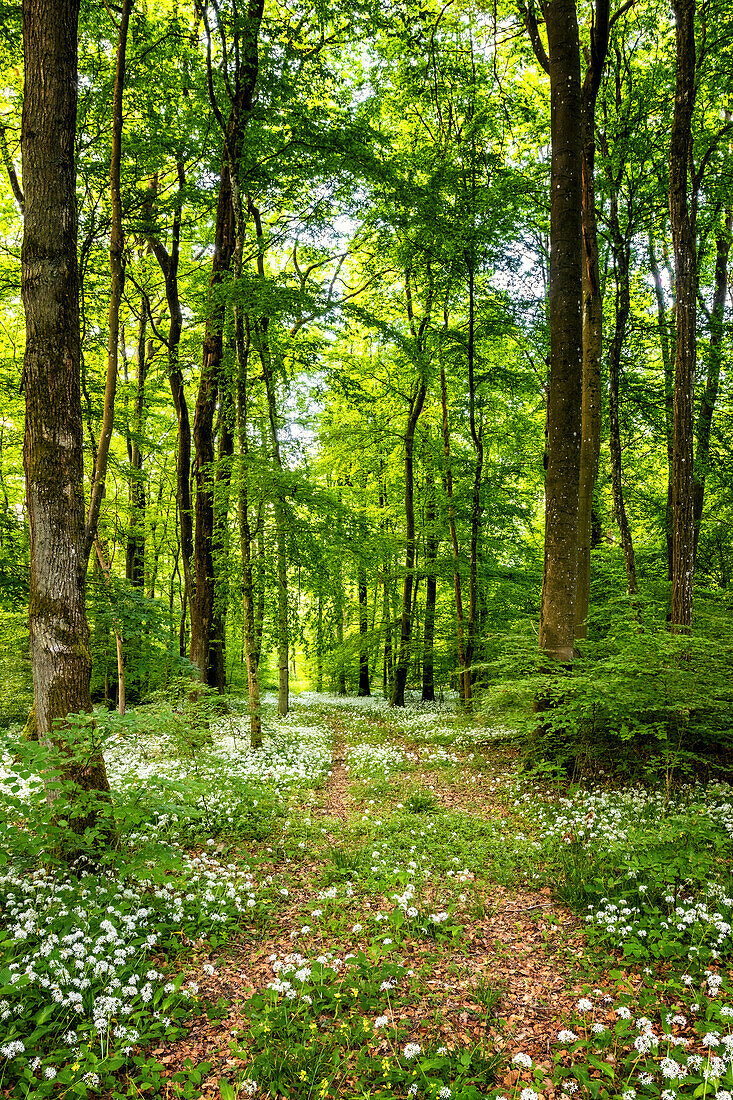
245, 536
202, 597
621, 258
464, 678
364, 687
712, 379
431, 583
683, 240
117, 285
168, 263
476, 430
668, 355
53, 438
403, 656
557, 619
590, 446
135, 549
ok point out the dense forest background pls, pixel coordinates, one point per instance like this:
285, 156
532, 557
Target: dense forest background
314, 257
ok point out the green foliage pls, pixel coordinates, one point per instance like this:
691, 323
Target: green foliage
421, 802
319, 1025
16, 676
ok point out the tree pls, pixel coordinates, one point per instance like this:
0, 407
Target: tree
683, 237
557, 619
52, 451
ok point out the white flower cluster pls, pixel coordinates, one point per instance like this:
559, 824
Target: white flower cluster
81, 948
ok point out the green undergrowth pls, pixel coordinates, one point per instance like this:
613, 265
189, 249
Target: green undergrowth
221, 847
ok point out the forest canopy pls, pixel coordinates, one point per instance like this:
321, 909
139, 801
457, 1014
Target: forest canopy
399, 357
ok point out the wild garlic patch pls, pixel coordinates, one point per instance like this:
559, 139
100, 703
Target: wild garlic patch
362, 902
78, 991
646, 870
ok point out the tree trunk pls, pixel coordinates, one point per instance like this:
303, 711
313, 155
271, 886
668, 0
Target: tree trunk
668, 355
683, 239
240, 63
259, 327
339, 613
245, 537
403, 656
387, 663
364, 687
216, 671
431, 555
464, 678
116, 626
621, 258
117, 285
202, 598
557, 619
135, 549
712, 380
590, 446
168, 263
53, 439
476, 430
319, 643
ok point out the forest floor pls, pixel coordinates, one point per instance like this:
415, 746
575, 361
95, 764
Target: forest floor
504, 978
379, 903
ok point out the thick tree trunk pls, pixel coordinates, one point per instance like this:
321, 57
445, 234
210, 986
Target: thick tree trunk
712, 380
557, 620
53, 441
683, 239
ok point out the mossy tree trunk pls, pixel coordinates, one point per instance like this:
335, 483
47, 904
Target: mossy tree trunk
53, 440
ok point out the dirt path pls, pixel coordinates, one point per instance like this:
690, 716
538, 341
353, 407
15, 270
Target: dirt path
508, 983
337, 800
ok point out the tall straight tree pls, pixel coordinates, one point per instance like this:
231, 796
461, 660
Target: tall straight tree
240, 64
52, 450
683, 241
592, 299
557, 616
417, 399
